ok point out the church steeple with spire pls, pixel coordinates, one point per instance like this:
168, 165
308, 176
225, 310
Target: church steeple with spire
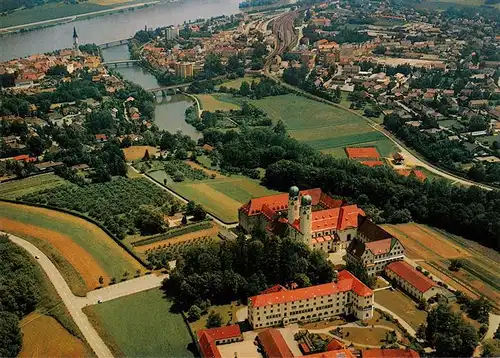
76, 49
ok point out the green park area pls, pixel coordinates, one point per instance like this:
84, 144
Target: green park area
17, 188
142, 325
403, 305
220, 196
326, 128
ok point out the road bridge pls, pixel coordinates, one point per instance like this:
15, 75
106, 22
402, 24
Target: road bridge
115, 43
118, 63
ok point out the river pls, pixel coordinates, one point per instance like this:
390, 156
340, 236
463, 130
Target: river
111, 27
169, 112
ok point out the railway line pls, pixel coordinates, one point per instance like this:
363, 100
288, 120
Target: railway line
285, 36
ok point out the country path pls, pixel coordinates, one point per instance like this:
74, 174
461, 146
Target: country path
75, 304
177, 196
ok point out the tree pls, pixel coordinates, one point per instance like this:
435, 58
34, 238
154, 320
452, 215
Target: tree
491, 348
184, 220
214, 320
447, 332
455, 265
101, 280
194, 313
149, 220
245, 89
358, 270
146, 156
280, 128
36, 145
10, 335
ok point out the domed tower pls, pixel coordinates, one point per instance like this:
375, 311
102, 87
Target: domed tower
293, 204
306, 218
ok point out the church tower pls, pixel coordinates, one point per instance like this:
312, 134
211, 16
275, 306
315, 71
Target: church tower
306, 218
293, 204
76, 49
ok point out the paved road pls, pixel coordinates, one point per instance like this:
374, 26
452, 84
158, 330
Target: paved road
173, 193
75, 304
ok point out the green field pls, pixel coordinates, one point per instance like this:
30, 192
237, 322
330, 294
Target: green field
236, 83
444, 4
221, 197
326, 128
18, 188
141, 325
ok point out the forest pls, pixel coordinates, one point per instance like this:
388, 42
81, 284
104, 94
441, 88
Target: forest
230, 270
386, 196
19, 294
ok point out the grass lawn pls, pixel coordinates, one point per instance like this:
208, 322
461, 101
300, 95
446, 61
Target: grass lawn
18, 188
221, 197
326, 128
214, 102
370, 336
141, 325
236, 83
69, 239
402, 305
228, 313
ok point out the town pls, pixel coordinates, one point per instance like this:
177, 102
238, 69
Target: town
316, 179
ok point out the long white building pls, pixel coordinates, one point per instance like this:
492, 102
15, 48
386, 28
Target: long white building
347, 295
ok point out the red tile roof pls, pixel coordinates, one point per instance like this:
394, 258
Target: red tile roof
362, 152
24, 157
274, 289
207, 339
380, 246
274, 344
219, 333
389, 353
406, 172
341, 218
339, 353
373, 163
208, 348
277, 202
346, 281
411, 275
334, 345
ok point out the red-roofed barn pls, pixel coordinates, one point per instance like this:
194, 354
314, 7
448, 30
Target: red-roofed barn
362, 153
411, 280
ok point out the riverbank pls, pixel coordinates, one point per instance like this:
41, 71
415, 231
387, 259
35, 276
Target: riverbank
54, 14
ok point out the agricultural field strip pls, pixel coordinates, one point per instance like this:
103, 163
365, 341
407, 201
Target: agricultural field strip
17, 188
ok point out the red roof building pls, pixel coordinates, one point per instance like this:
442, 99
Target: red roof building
24, 157
372, 163
273, 344
389, 353
362, 153
339, 353
313, 302
412, 281
407, 172
208, 339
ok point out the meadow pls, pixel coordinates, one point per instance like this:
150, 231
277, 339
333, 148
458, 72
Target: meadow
214, 102
221, 197
81, 250
17, 188
326, 128
141, 325
479, 274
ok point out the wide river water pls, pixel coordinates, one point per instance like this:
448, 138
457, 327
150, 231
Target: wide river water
169, 110
111, 27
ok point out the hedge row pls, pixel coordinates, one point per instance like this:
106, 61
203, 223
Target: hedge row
89, 219
175, 232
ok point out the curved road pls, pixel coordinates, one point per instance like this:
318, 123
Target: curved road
75, 304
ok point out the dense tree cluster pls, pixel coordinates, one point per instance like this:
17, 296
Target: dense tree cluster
447, 332
299, 77
230, 270
385, 195
122, 205
19, 294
